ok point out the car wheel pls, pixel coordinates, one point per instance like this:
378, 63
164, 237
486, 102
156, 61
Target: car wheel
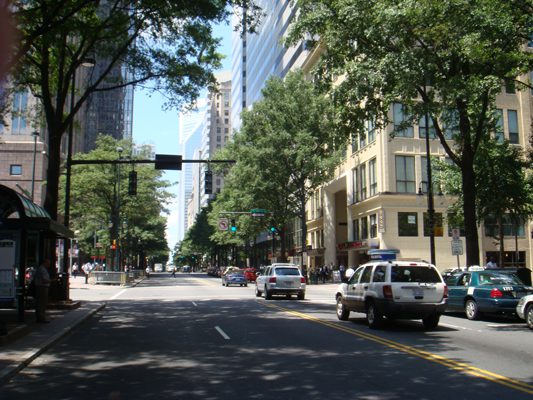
268, 295
373, 316
223, 284
257, 292
471, 309
342, 313
245, 285
431, 322
529, 316
301, 296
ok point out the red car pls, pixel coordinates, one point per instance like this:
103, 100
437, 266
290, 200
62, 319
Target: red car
250, 275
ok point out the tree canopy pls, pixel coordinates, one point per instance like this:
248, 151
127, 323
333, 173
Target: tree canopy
168, 44
286, 148
103, 210
445, 59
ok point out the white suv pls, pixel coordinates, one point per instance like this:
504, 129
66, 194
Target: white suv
281, 278
394, 289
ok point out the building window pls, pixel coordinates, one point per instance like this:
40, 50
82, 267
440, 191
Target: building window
226, 121
355, 143
405, 174
512, 122
437, 224
355, 226
423, 127
355, 182
371, 131
400, 122
362, 181
407, 224
424, 174
226, 130
219, 129
450, 123
226, 112
18, 119
499, 133
364, 228
510, 228
372, 177
15, 169
373, 226
510, 87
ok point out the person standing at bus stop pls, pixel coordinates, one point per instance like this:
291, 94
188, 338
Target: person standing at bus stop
42, 286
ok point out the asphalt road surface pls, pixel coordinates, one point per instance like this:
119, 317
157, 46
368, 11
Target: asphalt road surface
190, 338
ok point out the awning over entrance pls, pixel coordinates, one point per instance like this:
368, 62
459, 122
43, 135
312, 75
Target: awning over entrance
17, 212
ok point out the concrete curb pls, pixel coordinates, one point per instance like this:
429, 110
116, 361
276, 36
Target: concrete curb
11, 370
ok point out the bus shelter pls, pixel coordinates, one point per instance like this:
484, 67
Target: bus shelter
27, 235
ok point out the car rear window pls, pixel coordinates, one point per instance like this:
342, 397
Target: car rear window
498, 279
287, 271
414, 274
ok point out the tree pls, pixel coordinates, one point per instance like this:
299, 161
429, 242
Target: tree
102, 208
285, 149
444, 59
168, 44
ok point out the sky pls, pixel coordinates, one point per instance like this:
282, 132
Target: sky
152, 125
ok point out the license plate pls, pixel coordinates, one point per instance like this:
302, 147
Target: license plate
418, 293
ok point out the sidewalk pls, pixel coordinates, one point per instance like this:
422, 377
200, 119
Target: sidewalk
26, 341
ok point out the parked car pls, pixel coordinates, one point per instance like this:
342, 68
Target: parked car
250, 274
394, 289
524, 309
485, 291
280, 278
234, 277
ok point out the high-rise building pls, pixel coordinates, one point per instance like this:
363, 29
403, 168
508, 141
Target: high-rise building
191, 125
23, 147
108, 112
258, 56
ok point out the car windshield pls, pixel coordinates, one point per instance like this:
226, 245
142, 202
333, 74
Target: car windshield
414, 274
498, 279
287, 271
236, 273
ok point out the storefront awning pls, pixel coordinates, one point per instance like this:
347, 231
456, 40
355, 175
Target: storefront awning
18, 211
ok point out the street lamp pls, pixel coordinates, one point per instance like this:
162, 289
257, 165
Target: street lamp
431, 206
35, 135
118, 222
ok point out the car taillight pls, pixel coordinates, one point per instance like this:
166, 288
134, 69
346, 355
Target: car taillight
445, 295
496, 293
302, 280
272, 279
387, 291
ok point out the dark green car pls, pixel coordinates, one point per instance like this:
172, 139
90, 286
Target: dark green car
487, 291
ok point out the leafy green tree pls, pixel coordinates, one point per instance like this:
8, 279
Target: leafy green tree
444, 59
103, 210
286, 148
166, 44
503, 187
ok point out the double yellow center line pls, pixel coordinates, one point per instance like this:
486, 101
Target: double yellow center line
449, 363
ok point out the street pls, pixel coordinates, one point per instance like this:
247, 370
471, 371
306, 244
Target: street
189, 337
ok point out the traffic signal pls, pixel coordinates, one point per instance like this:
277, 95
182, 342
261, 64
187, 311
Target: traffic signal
208, 181
132, 183
233, 227
273, 229
114, 245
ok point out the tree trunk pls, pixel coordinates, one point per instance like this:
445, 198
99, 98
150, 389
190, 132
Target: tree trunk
52, 175
469, 210
304, 225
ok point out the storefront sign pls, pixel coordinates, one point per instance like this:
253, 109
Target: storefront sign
381, 221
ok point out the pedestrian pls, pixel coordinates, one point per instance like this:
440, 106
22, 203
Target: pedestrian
173, 272
42, 286
75, 270
342, 271
86, 270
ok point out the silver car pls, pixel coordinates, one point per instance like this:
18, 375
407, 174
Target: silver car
524, 309
284, 279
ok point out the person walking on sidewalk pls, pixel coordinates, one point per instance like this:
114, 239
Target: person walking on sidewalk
42, 285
